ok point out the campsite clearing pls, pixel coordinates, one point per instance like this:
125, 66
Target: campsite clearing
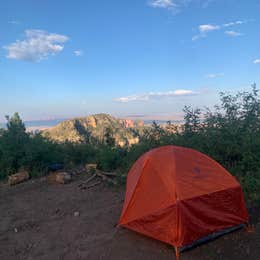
38, 222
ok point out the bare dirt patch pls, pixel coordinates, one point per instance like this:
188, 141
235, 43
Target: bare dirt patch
43, 221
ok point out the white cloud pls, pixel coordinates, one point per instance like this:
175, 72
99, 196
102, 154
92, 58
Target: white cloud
153, 95
257, 61
177, 5
233, 33
162, 3
204, 28
78, 53
233, 23
214, 75
198, 36
37, 45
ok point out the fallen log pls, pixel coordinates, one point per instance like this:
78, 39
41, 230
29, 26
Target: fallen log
90, 166
112, 174
88, 180
18, 178
91, 185
59, 177
63, 177
94, 184
106, 178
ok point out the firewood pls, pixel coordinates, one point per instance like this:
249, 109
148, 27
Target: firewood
94, 184
18, 178
90, 166
105, 178
59, 177
89, 179
112, 174
63, 177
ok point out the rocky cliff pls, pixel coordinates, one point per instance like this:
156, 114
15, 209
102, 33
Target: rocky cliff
95, 128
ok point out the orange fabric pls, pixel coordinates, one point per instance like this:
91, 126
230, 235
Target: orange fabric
178, 195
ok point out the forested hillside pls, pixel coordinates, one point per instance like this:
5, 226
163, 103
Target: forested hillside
230, 134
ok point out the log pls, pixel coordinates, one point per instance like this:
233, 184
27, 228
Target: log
88, 180
94, 184
59, 177
91, 166
106, 178
112, 174
18, 178
63, 177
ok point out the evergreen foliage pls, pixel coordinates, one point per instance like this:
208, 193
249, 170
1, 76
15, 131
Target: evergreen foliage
230, 134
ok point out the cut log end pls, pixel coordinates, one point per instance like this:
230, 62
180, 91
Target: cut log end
18, 178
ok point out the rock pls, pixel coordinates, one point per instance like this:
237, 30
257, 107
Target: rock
18, 178
92, 121
76, 214
132, 141
128, 123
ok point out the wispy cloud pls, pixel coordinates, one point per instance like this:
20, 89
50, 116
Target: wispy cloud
177, 5
233, 33
206, 3
15, 22
78, 53
233, 23
37, 45
256, 61
214, 75
162, 3
155, 95
204, 29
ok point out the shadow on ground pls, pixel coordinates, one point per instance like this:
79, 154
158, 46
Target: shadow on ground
38, 221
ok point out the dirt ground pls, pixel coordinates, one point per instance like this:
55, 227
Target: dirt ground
37, 221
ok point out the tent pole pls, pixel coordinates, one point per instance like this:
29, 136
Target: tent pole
177, 253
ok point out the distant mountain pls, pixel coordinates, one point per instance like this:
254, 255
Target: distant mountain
37, 124
96, 128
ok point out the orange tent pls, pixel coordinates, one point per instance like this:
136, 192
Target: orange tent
180, 196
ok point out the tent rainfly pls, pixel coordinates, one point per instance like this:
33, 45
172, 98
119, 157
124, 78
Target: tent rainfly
181, 197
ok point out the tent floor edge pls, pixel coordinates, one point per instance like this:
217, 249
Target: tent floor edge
211, 237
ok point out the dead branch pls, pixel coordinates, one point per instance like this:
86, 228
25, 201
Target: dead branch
93, 185
112, 174
105, 178
89, 179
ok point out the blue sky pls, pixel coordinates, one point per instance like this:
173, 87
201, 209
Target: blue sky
128, 58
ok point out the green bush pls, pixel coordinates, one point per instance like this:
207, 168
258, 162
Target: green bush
230, 134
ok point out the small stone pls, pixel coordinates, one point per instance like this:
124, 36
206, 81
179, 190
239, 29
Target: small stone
76, 214
15, 230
